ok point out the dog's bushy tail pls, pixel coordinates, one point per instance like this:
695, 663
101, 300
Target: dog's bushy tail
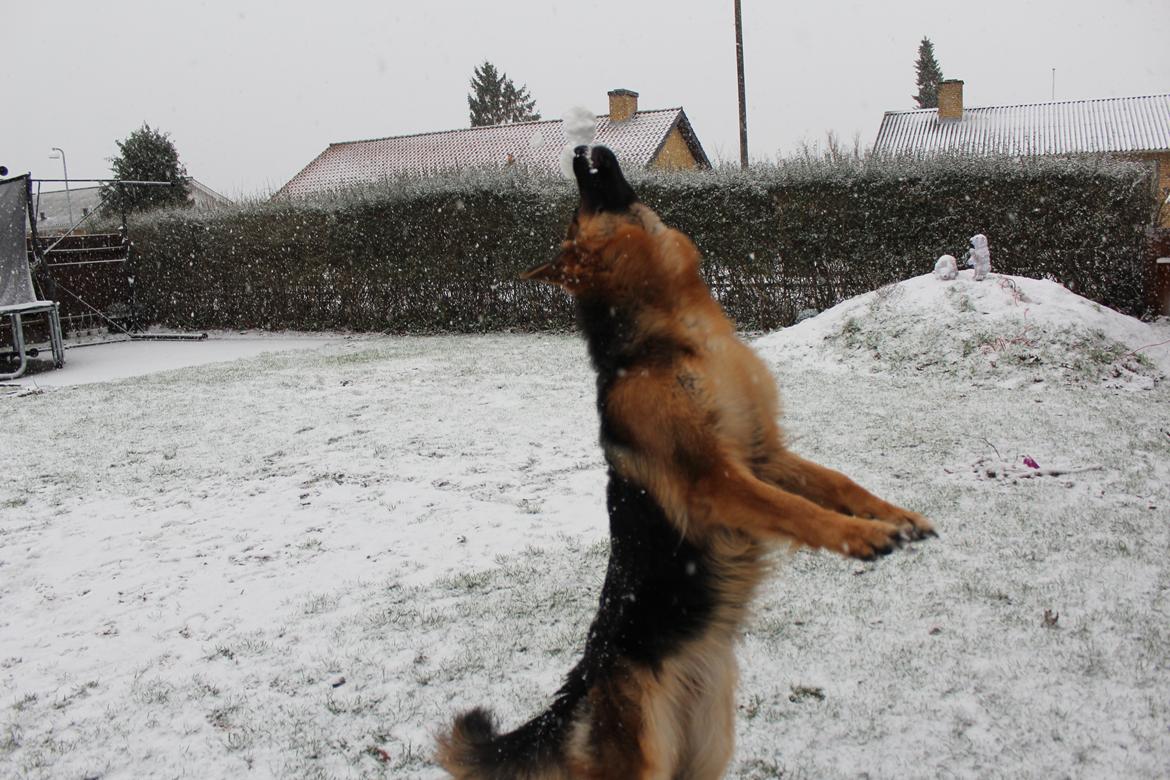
466, 750
474, 750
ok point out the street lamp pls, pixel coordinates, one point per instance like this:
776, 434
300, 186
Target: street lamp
68, 200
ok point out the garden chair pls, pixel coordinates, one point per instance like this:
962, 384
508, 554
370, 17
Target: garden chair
18, 299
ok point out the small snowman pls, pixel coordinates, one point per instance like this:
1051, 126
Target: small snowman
947, 268
979, 256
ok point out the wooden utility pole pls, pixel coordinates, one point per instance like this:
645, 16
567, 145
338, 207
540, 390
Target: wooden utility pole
743, 149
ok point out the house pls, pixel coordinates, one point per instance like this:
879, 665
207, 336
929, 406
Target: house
1132, 127
660, 138
203, 197
55, 209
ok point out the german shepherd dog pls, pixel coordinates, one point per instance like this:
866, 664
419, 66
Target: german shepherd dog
700, 487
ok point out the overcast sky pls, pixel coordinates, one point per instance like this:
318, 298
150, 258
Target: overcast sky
251, 91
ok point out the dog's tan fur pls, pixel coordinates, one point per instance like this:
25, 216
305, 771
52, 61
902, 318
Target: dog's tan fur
695, 417
716, 408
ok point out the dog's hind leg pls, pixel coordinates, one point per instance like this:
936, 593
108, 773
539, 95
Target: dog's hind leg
837, 492
709, 733
688, 713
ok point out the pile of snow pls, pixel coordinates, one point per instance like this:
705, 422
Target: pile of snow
1004, 329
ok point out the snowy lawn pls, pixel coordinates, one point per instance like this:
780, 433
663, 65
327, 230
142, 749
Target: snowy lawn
301, 564
105, 361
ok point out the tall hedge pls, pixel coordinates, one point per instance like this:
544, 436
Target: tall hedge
443, 253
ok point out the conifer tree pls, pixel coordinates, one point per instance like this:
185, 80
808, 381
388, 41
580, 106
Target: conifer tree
929, 75
495, 100
146, 155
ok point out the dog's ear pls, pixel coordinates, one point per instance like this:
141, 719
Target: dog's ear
564, 270
600, 181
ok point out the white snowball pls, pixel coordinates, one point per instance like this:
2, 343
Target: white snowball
580, 126
580, 130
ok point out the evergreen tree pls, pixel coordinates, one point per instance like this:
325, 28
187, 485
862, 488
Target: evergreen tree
929, 75
146, 155
495, 100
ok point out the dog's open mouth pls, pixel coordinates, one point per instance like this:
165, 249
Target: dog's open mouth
585, 152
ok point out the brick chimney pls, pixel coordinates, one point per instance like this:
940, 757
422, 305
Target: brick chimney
950, 99
623, 104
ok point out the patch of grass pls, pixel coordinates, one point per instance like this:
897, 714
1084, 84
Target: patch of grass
24, 702
239, 739
802, 693
155, 691
1092, 351
220, 651
751, 708
855, 336
10, 738
79, 693
960, 300
252, 644
466, 581
317, 603
45, 753
850, 329
411, 756
354, 358
763, 769
223, 716
202, 688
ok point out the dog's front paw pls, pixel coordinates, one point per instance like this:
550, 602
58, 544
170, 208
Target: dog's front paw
864, 539
912, 525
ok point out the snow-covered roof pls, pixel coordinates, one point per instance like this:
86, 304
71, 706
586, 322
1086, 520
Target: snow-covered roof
1130, 124
56, 205
636, 141
205, 197
54, 208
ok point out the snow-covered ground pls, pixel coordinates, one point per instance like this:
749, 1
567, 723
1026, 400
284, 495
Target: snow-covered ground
301, 563
103, 362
